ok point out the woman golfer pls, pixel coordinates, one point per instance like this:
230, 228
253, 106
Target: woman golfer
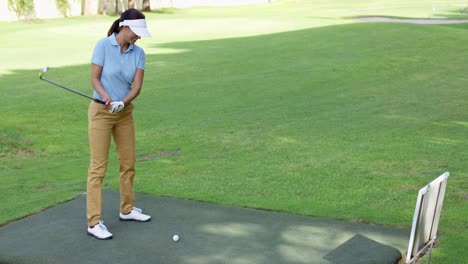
117, 72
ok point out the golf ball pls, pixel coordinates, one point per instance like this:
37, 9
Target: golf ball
175, 238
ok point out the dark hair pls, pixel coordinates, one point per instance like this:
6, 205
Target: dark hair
129, 14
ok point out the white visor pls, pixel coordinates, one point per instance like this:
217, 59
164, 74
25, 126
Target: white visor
138, 26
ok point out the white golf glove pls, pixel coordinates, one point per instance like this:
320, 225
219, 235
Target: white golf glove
116, 106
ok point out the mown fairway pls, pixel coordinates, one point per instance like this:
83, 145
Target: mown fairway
288, 106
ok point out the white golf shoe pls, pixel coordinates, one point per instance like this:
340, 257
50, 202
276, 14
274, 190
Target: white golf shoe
99, 231
135, 215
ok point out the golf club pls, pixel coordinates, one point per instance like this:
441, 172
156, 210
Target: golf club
45, 69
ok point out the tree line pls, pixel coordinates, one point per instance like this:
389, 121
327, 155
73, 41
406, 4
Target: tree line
26, 9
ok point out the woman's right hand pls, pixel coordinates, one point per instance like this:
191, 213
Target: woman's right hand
107, 99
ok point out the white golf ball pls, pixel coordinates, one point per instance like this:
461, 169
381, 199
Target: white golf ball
175, 238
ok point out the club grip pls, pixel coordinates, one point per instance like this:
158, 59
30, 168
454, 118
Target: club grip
99, 101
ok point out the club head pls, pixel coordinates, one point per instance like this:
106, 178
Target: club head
43, 70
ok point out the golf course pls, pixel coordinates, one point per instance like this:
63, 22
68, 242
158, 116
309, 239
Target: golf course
293, 106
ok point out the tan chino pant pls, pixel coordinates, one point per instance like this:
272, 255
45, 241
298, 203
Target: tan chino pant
102, 125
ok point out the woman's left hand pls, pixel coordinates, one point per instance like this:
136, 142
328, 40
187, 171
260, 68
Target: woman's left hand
116, 106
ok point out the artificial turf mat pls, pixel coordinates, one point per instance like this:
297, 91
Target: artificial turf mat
209, 233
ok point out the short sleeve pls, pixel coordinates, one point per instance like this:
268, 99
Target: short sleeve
99, 53
141, 60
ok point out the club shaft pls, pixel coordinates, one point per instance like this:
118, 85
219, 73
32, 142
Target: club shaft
71, 90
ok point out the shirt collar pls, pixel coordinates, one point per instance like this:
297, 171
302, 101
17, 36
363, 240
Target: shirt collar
115, 43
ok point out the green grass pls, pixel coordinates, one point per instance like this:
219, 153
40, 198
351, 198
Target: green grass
288, 107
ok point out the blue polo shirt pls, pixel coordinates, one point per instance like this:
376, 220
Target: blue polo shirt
118, 69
